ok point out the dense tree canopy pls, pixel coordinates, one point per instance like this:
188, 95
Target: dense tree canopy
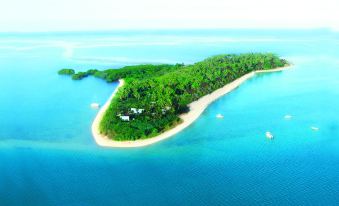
66, 72
164, 91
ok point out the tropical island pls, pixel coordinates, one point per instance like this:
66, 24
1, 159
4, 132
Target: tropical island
153, 102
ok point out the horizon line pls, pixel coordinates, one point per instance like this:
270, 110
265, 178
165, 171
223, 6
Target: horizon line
172, 29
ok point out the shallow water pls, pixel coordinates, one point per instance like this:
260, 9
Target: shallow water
48, 157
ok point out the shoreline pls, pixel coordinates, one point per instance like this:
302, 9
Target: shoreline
196, 109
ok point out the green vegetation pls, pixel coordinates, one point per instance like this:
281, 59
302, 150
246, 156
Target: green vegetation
136, 72
79, 75
66, 72
163, 92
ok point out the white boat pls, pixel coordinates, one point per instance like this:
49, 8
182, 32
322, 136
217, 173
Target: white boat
269, 135
314, 128
287, 116
220, 116
95, 105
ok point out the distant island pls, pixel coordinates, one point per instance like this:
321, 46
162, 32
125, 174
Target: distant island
154, 102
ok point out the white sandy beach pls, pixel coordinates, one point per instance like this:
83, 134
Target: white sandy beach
196, 109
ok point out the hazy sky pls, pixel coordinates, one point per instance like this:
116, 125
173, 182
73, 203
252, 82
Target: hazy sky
51, 15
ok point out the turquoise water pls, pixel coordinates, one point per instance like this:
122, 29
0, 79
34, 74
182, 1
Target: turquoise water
48, 157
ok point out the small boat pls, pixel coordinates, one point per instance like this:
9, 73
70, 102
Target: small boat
95, 105
220, 116
287, 116
315, 128
269, 135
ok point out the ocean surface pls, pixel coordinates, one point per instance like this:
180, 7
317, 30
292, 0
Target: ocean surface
48, 156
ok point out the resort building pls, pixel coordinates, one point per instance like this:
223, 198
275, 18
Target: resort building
167, 108
124, 118
137, 111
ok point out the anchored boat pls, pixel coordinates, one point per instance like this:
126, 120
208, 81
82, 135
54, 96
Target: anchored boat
269, 135
315, 128
95, 105
287, 116
220, 116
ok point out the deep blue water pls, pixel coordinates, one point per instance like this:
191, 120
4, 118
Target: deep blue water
48, 157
